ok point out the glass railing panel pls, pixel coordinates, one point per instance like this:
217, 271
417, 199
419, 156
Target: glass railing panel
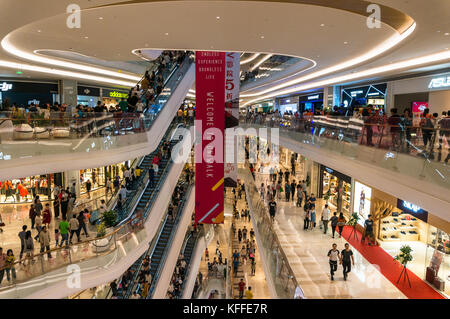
280, 272
28, 134
397, 148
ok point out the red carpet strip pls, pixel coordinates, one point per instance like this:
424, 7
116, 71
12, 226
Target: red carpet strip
391, 269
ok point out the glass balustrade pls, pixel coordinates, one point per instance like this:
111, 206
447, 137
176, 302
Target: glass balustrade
414, 151
25, 135
279, 270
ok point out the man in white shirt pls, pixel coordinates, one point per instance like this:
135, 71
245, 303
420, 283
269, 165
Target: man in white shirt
325, 218
123, 193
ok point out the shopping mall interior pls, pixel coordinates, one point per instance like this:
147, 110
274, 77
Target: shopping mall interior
258, 149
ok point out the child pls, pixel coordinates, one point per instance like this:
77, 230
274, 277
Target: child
57, 236
9, 263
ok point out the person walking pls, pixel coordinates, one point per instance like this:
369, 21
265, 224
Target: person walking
299, 195
241, 288
334, 222
32, 215
88, 188
64, 231
82, 222
44, 239
22, 235
74, 227
9, 266
2, 264
38, 225
325, 218
253, 265
347, 260
312, 217
341, 223
368, 230
272, 209
46, 216
29, 247
333, 257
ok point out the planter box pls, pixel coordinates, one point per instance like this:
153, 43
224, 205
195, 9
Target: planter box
41, 132
23, 132
60, 132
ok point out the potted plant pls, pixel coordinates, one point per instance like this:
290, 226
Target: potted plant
327, 195
404, 258
353, 221
110, 218
101, 244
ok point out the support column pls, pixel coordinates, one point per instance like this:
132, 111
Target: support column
336, 95
71, 177
389, 99
68, 90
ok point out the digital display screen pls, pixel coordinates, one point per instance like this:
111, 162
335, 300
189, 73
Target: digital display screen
419, 107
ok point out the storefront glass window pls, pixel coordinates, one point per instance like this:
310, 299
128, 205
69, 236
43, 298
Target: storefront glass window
438, 257
23, 190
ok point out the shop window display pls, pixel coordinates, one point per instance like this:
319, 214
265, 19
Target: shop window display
23, 190
438, 259
95, 175
336, 191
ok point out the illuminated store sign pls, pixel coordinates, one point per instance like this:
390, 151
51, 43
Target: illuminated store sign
118, 94
355, 93
439, 82
5, 87
313, 97
412, 209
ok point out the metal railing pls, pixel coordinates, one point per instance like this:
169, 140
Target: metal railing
281, 273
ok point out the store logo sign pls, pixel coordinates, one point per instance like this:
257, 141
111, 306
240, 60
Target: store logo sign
412, 207
118, 94
355, 93
5, 87
439, 82
313, 97
329, 170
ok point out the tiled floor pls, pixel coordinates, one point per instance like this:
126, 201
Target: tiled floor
307, 254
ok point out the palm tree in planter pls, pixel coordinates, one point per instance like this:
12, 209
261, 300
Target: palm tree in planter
404, 258
353, 221
109, 221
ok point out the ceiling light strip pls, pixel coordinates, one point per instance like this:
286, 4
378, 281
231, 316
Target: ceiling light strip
433, 58
383, 47
250, 59
267, 57
34, 68
10, 48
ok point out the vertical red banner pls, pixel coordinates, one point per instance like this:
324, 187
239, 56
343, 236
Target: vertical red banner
210, 125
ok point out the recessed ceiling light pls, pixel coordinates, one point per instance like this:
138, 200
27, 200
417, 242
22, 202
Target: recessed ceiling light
86, 37
100, 18
345, 42
446, 33
39, 31
322, 25
262, 37
217, 17
167, 33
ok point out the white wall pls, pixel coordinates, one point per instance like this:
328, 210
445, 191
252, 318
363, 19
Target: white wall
439, 101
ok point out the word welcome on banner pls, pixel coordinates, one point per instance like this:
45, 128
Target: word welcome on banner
210, 110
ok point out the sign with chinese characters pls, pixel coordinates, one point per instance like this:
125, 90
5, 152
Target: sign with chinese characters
5, 86
210, 125
412, 209
440, 82
232, 85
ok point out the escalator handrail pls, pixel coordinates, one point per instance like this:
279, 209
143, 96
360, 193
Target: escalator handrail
162, 262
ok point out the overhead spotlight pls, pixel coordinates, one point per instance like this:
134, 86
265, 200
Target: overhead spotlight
322, 25
39, 31
86, 37
167, 33
262, 37
446, 33
345, 42
100, 18
217, 17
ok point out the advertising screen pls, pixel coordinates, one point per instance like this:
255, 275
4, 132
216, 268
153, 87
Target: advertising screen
361, 204
419, 107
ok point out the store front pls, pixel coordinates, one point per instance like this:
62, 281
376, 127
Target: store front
112, 97
288, 106
336, 189
100, 175
264, 107
360, 97
404, 223
311, 103
418, 94
25, 93
23, 190
88, 96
